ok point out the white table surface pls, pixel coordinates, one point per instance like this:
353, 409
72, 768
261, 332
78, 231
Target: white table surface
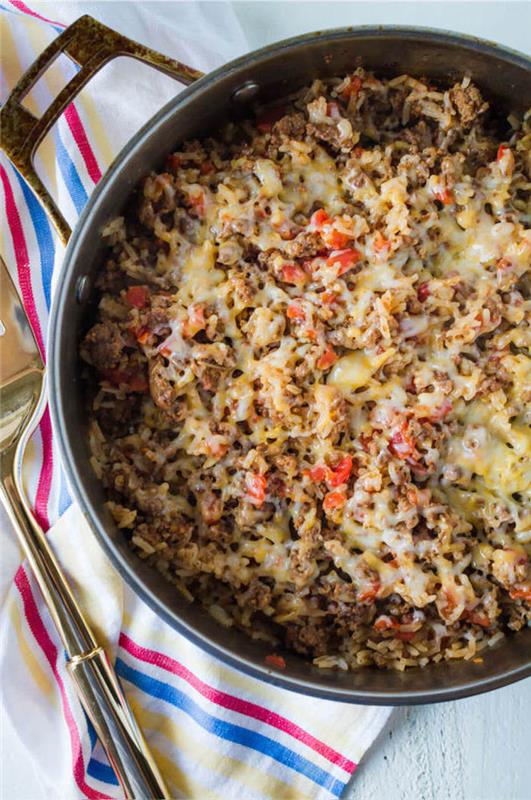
475, 749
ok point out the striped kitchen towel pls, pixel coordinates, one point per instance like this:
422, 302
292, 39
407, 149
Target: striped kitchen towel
214, 731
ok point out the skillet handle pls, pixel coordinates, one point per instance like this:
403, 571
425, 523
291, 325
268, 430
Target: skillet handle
90, 44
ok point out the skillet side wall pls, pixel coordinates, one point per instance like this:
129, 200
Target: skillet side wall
505, 79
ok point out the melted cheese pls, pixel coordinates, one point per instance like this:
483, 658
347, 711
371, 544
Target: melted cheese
353, 371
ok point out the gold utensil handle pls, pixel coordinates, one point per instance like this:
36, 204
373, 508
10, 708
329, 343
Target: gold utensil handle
103, 700
93, 676
90, 44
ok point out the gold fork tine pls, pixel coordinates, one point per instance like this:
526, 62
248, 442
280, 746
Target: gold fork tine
22, 400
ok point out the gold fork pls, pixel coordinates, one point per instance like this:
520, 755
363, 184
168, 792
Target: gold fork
22, 401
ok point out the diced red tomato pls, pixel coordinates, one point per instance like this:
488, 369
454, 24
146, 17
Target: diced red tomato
267, 119
292, 273
385, 623
505, 160
353, 87
334, 476
358, 152
441, 411
480, 618
138, 296
370, 594
295, 311
335, 239
195, 322
319, 218
340, 473
318, 474
275, 661
197, 204
345, 259
332, 110
142, 335
334, 500
401, 444
216, 447
423, 291
328, 298
256, 488
328, 358
521, 593
502, 149
206, 168
444, 196
405, 636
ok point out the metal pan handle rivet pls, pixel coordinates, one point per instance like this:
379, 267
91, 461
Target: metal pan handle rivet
83, 289
245, 93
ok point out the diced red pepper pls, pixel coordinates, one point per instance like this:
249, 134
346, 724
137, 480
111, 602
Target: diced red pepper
345, 259
444, 196
334, 500
370, 594
256, 488
335, 239
353, 87
358, 152
401, 444
292, 273
206, 168
275, 661
328, 358
423, 291
328, 298
340, 473
319, 218
295, 311
267, 119
138, 296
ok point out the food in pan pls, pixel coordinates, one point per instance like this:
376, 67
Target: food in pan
313, 376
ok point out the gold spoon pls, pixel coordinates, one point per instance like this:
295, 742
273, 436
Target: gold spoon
22, 401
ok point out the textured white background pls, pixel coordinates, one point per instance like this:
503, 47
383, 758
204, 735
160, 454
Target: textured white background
476, 749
